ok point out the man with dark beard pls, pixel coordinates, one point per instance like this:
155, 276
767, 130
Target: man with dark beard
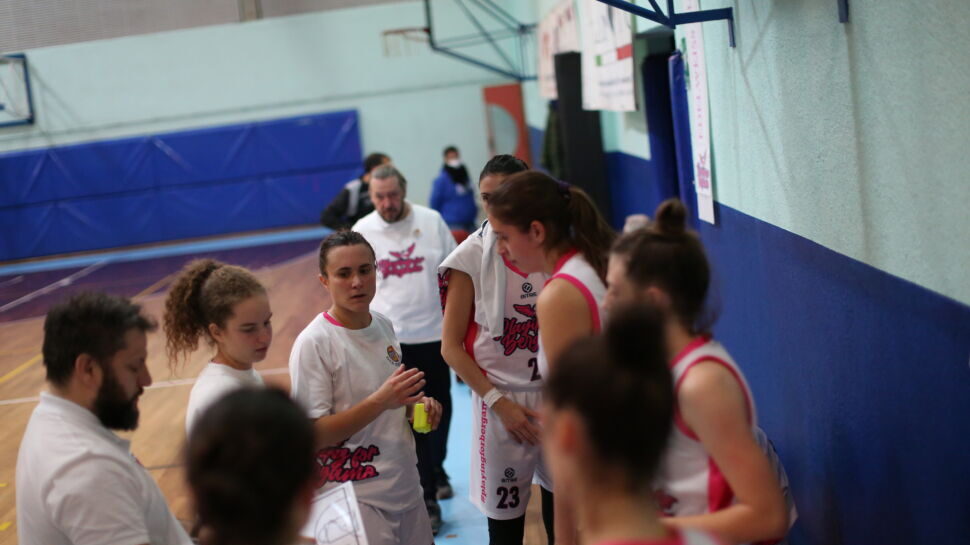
452, 194
77, 482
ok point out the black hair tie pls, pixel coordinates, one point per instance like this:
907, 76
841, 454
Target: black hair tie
563, 189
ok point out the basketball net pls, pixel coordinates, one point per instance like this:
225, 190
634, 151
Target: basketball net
404, 42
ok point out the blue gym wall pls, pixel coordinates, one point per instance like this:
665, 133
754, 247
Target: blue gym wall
176, 185
840, 251
102, 98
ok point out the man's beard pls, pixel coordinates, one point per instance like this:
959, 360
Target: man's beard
113, 409
393, 216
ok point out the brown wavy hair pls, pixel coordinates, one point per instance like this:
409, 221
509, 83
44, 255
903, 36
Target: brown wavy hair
204, 293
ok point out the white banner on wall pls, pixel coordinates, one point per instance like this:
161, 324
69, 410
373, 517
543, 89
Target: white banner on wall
607, 58
558, 33
700, 129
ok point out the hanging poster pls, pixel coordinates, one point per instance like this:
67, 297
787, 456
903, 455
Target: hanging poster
607, 38
700, 129
558, 33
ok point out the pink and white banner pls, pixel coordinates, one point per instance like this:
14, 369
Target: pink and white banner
700, 129
558, 33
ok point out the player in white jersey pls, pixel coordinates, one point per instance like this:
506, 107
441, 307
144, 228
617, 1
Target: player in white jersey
410, 242
543, 225
228, 307
346, 370
490, 337
715, 474
596, 383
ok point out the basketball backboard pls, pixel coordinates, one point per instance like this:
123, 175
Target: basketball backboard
16, 104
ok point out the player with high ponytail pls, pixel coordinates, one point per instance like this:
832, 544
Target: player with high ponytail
597, 384
490, 338
720, 473
547, 226
227, 306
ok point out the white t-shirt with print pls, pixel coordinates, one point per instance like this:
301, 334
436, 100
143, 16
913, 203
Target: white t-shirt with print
408, 254
215, 381
332, 369
78, 483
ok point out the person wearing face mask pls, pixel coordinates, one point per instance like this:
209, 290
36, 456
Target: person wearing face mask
452, 195
78, 482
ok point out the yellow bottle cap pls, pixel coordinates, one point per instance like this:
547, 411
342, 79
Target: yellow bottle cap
420, 420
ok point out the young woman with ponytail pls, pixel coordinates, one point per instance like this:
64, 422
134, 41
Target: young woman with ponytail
547, 226
720, 472
490, 338
228, 307
593, 387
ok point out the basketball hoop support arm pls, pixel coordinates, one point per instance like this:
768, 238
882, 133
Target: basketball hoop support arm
672, 19
519, 30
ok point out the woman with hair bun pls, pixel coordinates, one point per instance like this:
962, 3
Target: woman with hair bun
719, 472
613, 472
228, 307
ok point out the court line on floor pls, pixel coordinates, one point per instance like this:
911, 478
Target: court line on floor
54, 286
17, 370
167, 250
155, 386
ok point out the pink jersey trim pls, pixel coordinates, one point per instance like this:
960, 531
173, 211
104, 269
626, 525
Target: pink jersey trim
562, 260
719, 493
594, 309
332, 320
679, 420
513, 268
691, 346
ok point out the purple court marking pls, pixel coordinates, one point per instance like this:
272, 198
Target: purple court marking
128, 278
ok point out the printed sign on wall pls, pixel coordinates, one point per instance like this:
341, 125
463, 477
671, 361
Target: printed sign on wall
608, 82
558, 33
700, 129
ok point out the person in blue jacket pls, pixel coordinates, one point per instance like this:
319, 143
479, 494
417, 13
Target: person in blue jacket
452, 195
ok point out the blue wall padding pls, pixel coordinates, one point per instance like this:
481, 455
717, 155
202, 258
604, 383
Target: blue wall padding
176, 185
862, 380
631, 187
680, 116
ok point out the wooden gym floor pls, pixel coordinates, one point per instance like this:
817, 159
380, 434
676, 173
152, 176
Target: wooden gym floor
288, 269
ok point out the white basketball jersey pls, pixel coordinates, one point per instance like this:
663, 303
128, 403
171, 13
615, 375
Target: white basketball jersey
689, 482
574, 269
510, 357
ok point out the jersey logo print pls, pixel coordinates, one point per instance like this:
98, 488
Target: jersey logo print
665, 501
402, 265
520, 334
339, 464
